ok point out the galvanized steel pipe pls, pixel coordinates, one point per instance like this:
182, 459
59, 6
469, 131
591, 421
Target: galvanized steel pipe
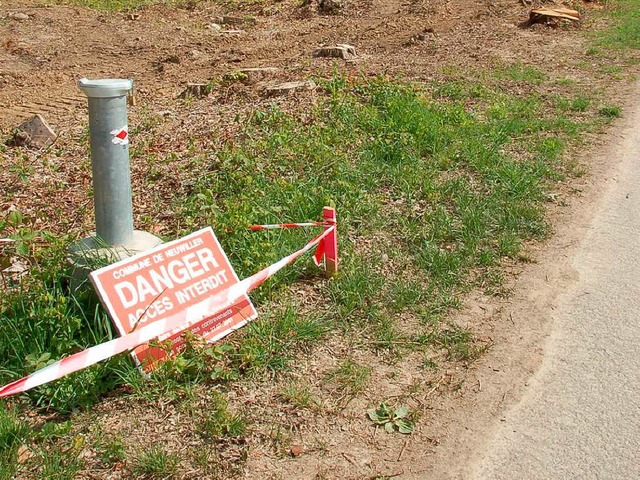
110, 158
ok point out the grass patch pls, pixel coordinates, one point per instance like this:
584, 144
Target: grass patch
218, 422
126, 5
519, 72
624, 33
610, 111
298, 395
448, 190
13, 432
42, 321
349, 377
155, 462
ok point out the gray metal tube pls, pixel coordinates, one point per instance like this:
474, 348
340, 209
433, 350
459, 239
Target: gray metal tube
110, 158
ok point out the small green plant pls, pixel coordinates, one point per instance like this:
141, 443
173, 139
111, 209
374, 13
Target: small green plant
610, 111
155, 462
234, 77
297, 394
349, 377
429, 363
218, 422
112, 450
391, 419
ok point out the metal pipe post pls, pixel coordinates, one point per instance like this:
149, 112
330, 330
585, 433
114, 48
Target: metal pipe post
110, 158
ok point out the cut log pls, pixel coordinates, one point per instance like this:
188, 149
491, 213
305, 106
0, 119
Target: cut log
341, 50
541, 14
195, 90
35, 133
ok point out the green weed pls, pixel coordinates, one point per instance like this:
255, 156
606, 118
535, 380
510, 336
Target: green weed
392, 419
155, 462
349, 377
297, 394
610, 111
216, 421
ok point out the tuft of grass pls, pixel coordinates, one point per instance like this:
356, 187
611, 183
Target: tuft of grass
460, 344
610, 111
349, 377
580, 104
297, 394
270, 343
519, 72
13, 433
429, 363
111, 450
155, 462
218, 422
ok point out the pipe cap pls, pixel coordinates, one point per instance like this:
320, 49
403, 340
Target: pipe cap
106, 87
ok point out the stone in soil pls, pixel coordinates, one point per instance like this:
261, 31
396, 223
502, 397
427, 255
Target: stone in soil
19, 16
330, 6
288, 87
34, 132
231, 20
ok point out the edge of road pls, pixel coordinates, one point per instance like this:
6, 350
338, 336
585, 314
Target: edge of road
521, 324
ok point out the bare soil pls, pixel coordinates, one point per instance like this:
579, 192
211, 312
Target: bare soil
163, 49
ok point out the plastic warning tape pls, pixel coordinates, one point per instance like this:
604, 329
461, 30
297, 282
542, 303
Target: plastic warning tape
174, 323
289, 225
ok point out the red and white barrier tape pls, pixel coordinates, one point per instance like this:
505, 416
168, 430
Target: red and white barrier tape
175, 323
289, 225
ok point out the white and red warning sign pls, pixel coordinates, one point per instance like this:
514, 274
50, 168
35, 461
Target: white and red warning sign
120, 136
173, 278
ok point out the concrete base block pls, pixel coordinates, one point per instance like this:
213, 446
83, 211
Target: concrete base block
91, 253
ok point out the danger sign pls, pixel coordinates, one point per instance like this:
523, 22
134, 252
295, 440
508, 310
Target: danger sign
167, 280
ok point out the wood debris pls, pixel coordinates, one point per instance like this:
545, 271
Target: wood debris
546, 15
196, 90
341, 50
